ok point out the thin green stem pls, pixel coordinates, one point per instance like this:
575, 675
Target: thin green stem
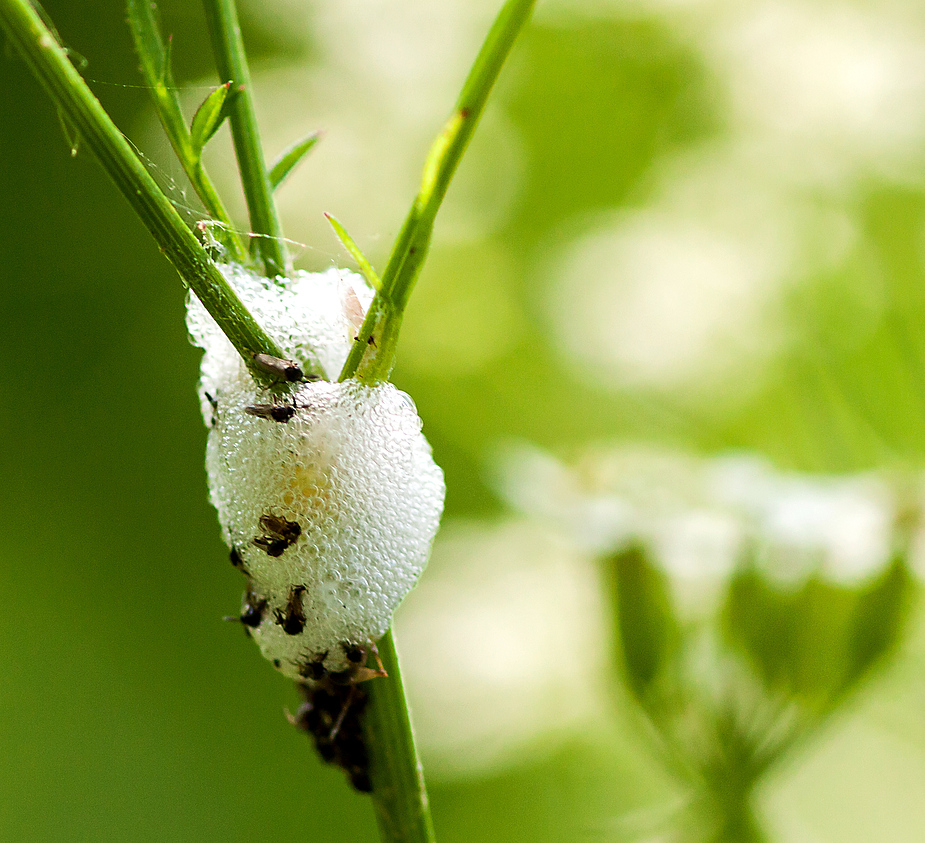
157, 73
231, 60
372, 356
399, 794
49, 63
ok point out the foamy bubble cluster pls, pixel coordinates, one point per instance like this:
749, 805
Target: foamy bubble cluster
313, 316
331, 513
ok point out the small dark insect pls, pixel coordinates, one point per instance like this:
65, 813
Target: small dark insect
272, 547
272, 412
313, 670
213, 403
236, 560
252, 613
292, 620
282, 528
286, 370
280, 533
357, 671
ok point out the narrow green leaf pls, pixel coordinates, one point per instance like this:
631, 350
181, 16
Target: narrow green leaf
153, 52
350, 245
166, 75
70, 131
648, 632
879, 619
291, 156
208, 118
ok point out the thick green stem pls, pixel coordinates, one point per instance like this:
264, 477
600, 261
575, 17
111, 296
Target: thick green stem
230, 58
51, 66
399, 793
372, 356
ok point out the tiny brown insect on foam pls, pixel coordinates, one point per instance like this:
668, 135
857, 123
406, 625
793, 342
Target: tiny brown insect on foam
292, 618
253, 611
279, 534
278, 367
282, 413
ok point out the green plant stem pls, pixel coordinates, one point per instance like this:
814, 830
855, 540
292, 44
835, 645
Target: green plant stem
399, 794
231, 60
155, 68
372, 356
49, 63
737, 823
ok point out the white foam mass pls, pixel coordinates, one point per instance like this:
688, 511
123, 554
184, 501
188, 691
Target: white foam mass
351, 467
313, 316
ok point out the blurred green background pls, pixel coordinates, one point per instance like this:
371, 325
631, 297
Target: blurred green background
694, 224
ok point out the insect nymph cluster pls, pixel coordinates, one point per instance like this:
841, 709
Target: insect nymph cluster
327, 493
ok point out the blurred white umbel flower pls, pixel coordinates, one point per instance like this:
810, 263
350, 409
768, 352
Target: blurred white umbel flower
328, 496
699, 515
839, 527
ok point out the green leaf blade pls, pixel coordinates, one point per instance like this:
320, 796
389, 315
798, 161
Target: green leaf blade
290, 158
880, 617
154, 55
208, 118
350, 245
648, 631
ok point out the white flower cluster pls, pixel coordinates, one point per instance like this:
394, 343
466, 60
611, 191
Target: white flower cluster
330, 507
700, 516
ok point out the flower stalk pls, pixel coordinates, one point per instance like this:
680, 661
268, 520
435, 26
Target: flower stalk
399, 792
